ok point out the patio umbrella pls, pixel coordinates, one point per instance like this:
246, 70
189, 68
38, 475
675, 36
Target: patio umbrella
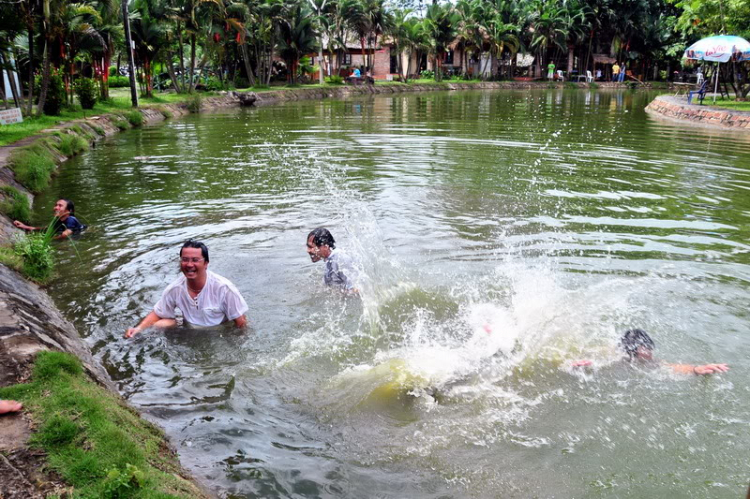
719, 49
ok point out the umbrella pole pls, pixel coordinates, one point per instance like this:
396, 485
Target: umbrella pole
716, 84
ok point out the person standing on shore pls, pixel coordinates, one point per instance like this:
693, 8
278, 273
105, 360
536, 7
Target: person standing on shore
66, 224
615, 72
551, 70
204, 298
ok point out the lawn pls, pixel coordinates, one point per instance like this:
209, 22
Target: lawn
728, 103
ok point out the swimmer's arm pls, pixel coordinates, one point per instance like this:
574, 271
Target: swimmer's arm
23, 226
698, 370
63, 234
148, 321
240, 321
581, 363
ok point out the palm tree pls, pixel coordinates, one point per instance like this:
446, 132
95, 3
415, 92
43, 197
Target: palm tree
441, 24
297, 37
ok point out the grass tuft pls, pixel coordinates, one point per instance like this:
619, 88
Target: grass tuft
33, 166
72, 144
35, 250
16, 204
53, 364
134, 117
121, 123
194, 103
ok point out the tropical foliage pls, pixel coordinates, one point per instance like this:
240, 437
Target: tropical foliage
188, 45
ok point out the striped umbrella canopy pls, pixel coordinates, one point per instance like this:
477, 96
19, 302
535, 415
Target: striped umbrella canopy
719, 49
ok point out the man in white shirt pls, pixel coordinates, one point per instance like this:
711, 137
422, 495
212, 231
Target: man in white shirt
204, 298
340, 271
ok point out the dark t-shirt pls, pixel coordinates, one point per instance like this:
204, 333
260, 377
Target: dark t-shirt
71, 223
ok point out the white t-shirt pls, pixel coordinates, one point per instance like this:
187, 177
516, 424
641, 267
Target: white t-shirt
218, 302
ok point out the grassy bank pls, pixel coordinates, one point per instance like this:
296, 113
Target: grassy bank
97, 445
119, 102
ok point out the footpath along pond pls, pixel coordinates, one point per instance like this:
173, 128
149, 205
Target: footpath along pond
502, 235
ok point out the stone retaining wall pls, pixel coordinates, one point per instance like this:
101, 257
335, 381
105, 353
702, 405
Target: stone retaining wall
678, 109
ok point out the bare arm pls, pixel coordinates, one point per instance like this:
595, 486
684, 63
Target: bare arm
240, 321
23, 226
699, 370
149, 320
63, 234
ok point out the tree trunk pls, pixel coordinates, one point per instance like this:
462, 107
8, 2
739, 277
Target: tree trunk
191, 87
131, 57
45, 79
30, 102
571, 48
248, 67
11, 80
321, 77
182, 56
172, 75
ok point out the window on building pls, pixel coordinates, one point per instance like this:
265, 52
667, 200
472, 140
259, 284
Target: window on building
394, 63
347, 59
449, 58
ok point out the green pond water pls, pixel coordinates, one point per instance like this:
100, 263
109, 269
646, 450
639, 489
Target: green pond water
500, 236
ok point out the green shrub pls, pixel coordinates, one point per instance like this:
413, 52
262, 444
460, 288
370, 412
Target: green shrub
335, 80
118, 81
427, 74
121, 123
240, 82
194, 103
55, 96
16, 204
134, 117
86, 91
593, 85
99, 130
570, 85
35, 249
122, 483
213, 84
72, 144
33, 166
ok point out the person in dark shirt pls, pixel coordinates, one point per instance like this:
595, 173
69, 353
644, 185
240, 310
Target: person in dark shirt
66, 223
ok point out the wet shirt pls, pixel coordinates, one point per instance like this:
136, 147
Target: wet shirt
219, 301
340, 271
70, 223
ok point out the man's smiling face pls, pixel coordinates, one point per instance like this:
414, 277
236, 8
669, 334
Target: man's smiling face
192, 263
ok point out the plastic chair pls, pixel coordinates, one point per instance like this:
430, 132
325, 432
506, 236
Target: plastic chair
701, 92
589, 77
700, 78
560, 75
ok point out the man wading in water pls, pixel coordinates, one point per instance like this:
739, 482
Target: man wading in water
339, 271
65, 222
204, 298
640, 348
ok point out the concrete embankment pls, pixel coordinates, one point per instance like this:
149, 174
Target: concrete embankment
677, 109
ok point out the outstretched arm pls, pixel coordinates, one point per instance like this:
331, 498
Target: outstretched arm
581, 363
23, 226
148, 321
699, 370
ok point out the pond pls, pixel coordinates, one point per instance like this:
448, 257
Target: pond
501, 235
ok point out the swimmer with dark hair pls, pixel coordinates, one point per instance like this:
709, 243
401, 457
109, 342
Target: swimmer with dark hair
639, 348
